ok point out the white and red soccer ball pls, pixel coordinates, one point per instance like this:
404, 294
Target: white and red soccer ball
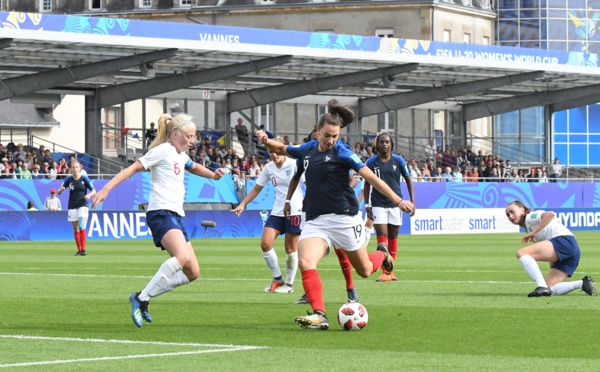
353, 316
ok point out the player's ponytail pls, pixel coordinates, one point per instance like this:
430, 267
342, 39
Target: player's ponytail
161, 132
337, 114
167, 125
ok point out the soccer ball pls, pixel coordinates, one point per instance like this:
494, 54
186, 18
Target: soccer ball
353, 316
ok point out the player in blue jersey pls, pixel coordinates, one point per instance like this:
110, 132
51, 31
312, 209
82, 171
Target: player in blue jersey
390, 168
78, 186
553, 243
331, 207
166, 159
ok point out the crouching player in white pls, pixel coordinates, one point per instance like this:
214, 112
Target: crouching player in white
279, 171
553, 243
167, 160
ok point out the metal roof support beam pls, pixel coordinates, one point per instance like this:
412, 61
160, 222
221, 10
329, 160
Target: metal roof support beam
112, 95
573, 103
500, 106
256, 97
26, 84
378, 105
6, 43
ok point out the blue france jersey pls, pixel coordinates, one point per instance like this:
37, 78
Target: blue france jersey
389, 172
327, 183
77, 190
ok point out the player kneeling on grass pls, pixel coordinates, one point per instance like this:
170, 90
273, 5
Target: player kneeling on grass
553, 243
166, 159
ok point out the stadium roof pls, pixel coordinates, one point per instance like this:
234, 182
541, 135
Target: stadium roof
120, 60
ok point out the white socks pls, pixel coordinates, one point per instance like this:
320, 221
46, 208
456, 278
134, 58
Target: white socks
163, 280
566, 287
271, 260
533, 270
291, 266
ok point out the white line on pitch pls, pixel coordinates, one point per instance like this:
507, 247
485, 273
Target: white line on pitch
46, 362
224, 348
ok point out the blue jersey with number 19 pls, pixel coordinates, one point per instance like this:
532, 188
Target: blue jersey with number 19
327, 183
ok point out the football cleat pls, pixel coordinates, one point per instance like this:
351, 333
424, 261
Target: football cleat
78, 253
273, 286
393, 276
384, 277
284, 289
540, 291
352, 296
388, 261
139, 310
303, 300
82, 252
313, 321
588, 285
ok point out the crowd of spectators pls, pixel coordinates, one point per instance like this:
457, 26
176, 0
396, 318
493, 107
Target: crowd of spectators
27, 163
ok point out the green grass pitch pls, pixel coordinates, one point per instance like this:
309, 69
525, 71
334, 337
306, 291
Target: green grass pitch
460, 304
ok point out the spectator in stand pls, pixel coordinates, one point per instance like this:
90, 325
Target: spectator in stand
52, 203
61, 165
447, 175
2, 151
41, 151
532, 176
64, 173
254, 166
19, 168
5, 174
243, 135
513, 176
474, 176
244, 165
286, 140
53, 174
508, 167
370, 152
28, 160
235, 166
494, 176
31, 206
541, 175
502, 173
47, 158
466, 176
19, 154
522, 175
150, 134
4, 164
555, 171
457, 175
430, 150
35, 161
35, 173
14, 170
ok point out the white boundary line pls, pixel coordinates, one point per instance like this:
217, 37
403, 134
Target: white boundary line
224, 348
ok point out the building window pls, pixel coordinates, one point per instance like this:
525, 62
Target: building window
325, 31
95, 4
486, 40
112, 128
186, 3
447, 36
467, 38
384, 32
45, 5
145, 3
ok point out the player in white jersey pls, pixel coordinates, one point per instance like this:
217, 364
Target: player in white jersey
279, 172
167, 159
553, 243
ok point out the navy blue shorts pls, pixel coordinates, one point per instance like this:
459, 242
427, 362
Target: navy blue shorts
161, 221
285, 225
568, 253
